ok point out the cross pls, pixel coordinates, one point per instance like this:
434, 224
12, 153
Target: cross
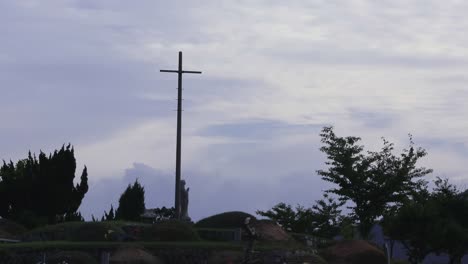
179, 132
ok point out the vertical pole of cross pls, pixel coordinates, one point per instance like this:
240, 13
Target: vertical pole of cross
179, 72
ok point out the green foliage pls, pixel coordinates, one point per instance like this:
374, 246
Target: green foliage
62, 231
41, 188
77, 231
327, 217
294, 220
437, 222
347, 228
108, 216
97, 231
11, 229
170, 230
163, 213
74, 217
131, 203
321, 220
233, 219
375, 181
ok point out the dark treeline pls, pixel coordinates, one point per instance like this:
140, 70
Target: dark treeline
41, 190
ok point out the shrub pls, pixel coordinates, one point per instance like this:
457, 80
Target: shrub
225, 220
51, 232
98, 231
170, 230
10, 229
77, 231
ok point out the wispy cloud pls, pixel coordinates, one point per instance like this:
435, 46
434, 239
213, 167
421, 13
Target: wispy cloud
274, 72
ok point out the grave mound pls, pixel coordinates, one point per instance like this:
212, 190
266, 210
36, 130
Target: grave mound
353, 252
234, 219
270, 231
133, 256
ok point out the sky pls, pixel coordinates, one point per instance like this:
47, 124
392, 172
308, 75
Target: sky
86, 72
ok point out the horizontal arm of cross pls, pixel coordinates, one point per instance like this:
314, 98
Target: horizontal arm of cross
176, 71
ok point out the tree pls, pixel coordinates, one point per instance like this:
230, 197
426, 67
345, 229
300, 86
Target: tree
164, 213
42, 190
322, 219
327, 217
131, 203
451, 236
435, 222
375, 181
295, 220
109, 216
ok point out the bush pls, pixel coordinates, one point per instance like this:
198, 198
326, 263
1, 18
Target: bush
98, 231
9, 257
225, 220
61, 231
77, 231
10, 229
72, 257
170, 230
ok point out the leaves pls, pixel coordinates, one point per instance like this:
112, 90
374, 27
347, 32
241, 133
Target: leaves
42, 187
374, 182
131, 203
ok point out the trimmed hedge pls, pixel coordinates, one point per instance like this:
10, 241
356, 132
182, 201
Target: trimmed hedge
98, 231
233, 219
10, 229
77, 231
170, 230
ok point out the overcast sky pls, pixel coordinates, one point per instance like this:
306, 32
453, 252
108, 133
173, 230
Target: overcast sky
274, 73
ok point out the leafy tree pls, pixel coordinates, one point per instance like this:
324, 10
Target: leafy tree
375, 182
296, 220
109, 216
435, 222
42, 190
451, 236
327, 217
322, 219
131, 203
164, 213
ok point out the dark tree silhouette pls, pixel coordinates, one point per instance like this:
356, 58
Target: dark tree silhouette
109, 216
41, 190
375, 181
131, 203
435, 222
322, 219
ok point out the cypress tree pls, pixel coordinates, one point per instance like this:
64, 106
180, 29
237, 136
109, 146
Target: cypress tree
131, 203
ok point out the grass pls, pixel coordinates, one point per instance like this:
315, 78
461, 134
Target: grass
68, 245
62, 245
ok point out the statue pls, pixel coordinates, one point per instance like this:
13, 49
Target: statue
184, 200
251, 237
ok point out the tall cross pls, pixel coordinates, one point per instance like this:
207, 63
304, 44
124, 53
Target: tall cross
179, 132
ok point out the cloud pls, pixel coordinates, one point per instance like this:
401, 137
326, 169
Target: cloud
274, 72
208, 194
